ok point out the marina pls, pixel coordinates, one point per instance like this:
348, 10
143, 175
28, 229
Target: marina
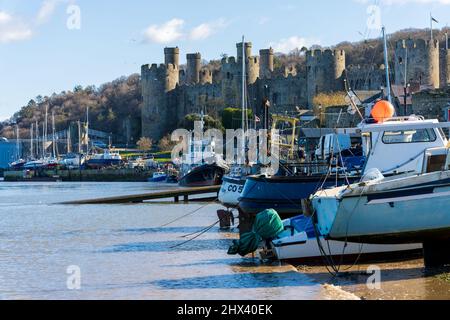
229, 159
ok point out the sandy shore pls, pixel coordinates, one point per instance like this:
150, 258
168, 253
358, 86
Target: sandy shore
399, 281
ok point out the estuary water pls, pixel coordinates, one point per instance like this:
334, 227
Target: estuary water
53, 251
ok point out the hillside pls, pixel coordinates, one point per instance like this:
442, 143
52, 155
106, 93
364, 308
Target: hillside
112, 107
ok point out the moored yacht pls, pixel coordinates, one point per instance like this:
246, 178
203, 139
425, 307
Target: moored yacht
405, 193
106, 159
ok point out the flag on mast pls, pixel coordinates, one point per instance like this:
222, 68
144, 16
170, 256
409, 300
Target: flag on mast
432, 19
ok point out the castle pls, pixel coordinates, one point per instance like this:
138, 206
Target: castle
171, 92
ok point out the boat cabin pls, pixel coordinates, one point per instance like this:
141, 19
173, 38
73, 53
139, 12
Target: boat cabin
404, 144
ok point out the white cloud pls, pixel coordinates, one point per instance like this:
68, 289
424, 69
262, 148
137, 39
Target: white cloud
206, 30
13, 29
288, 44
168, 32
174, 30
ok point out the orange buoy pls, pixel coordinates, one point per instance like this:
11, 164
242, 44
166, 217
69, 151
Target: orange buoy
382, 111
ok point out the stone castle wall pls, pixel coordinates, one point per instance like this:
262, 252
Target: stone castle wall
170, 93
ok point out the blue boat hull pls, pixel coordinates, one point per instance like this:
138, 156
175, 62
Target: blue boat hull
284, 194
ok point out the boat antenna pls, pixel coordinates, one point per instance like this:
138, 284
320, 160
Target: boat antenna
386, 62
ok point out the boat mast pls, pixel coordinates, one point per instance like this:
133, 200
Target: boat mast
386, 62
69, 147
87, 130
244, 83
43, 140
37, 139
53, 134
79, 137
31, 139
46, 131
17, 142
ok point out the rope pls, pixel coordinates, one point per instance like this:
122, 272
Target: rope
188, 214
197, 236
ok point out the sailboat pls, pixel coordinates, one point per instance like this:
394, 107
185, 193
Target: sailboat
404, 195
234, 182
19, 163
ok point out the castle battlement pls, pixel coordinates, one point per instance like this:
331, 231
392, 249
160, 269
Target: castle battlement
171, 92
417, 44
324, 53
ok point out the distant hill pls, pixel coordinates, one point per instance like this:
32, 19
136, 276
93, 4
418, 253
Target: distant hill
114, 107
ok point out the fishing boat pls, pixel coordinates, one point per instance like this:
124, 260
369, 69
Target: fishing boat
203, 176
387, 210
404, 195
159, 176
284, 193
72, 161
201, 166
299, 243
106, 159
234, 188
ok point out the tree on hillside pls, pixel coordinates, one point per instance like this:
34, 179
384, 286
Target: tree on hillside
145, 144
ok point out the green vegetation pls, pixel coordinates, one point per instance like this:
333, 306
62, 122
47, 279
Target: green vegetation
232, 118
210, 123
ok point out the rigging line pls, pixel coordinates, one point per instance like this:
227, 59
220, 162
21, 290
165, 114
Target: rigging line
188, 214
197, 236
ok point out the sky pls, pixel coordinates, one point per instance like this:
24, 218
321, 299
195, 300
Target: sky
49, 46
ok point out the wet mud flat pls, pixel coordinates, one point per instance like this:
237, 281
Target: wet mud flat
404, 280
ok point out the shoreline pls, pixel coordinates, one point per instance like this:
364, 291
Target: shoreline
405, 280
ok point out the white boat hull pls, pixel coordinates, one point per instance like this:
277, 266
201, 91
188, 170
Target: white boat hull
310, 249
299, 243
231, 191
399, 211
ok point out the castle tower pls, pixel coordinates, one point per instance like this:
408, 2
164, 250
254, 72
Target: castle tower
172, 56
194, 64
157, 82
266, 65
248, 51
252, 63
447, 71
206, 76
324, 72
422, 62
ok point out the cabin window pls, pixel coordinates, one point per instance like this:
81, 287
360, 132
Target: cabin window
409, 136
